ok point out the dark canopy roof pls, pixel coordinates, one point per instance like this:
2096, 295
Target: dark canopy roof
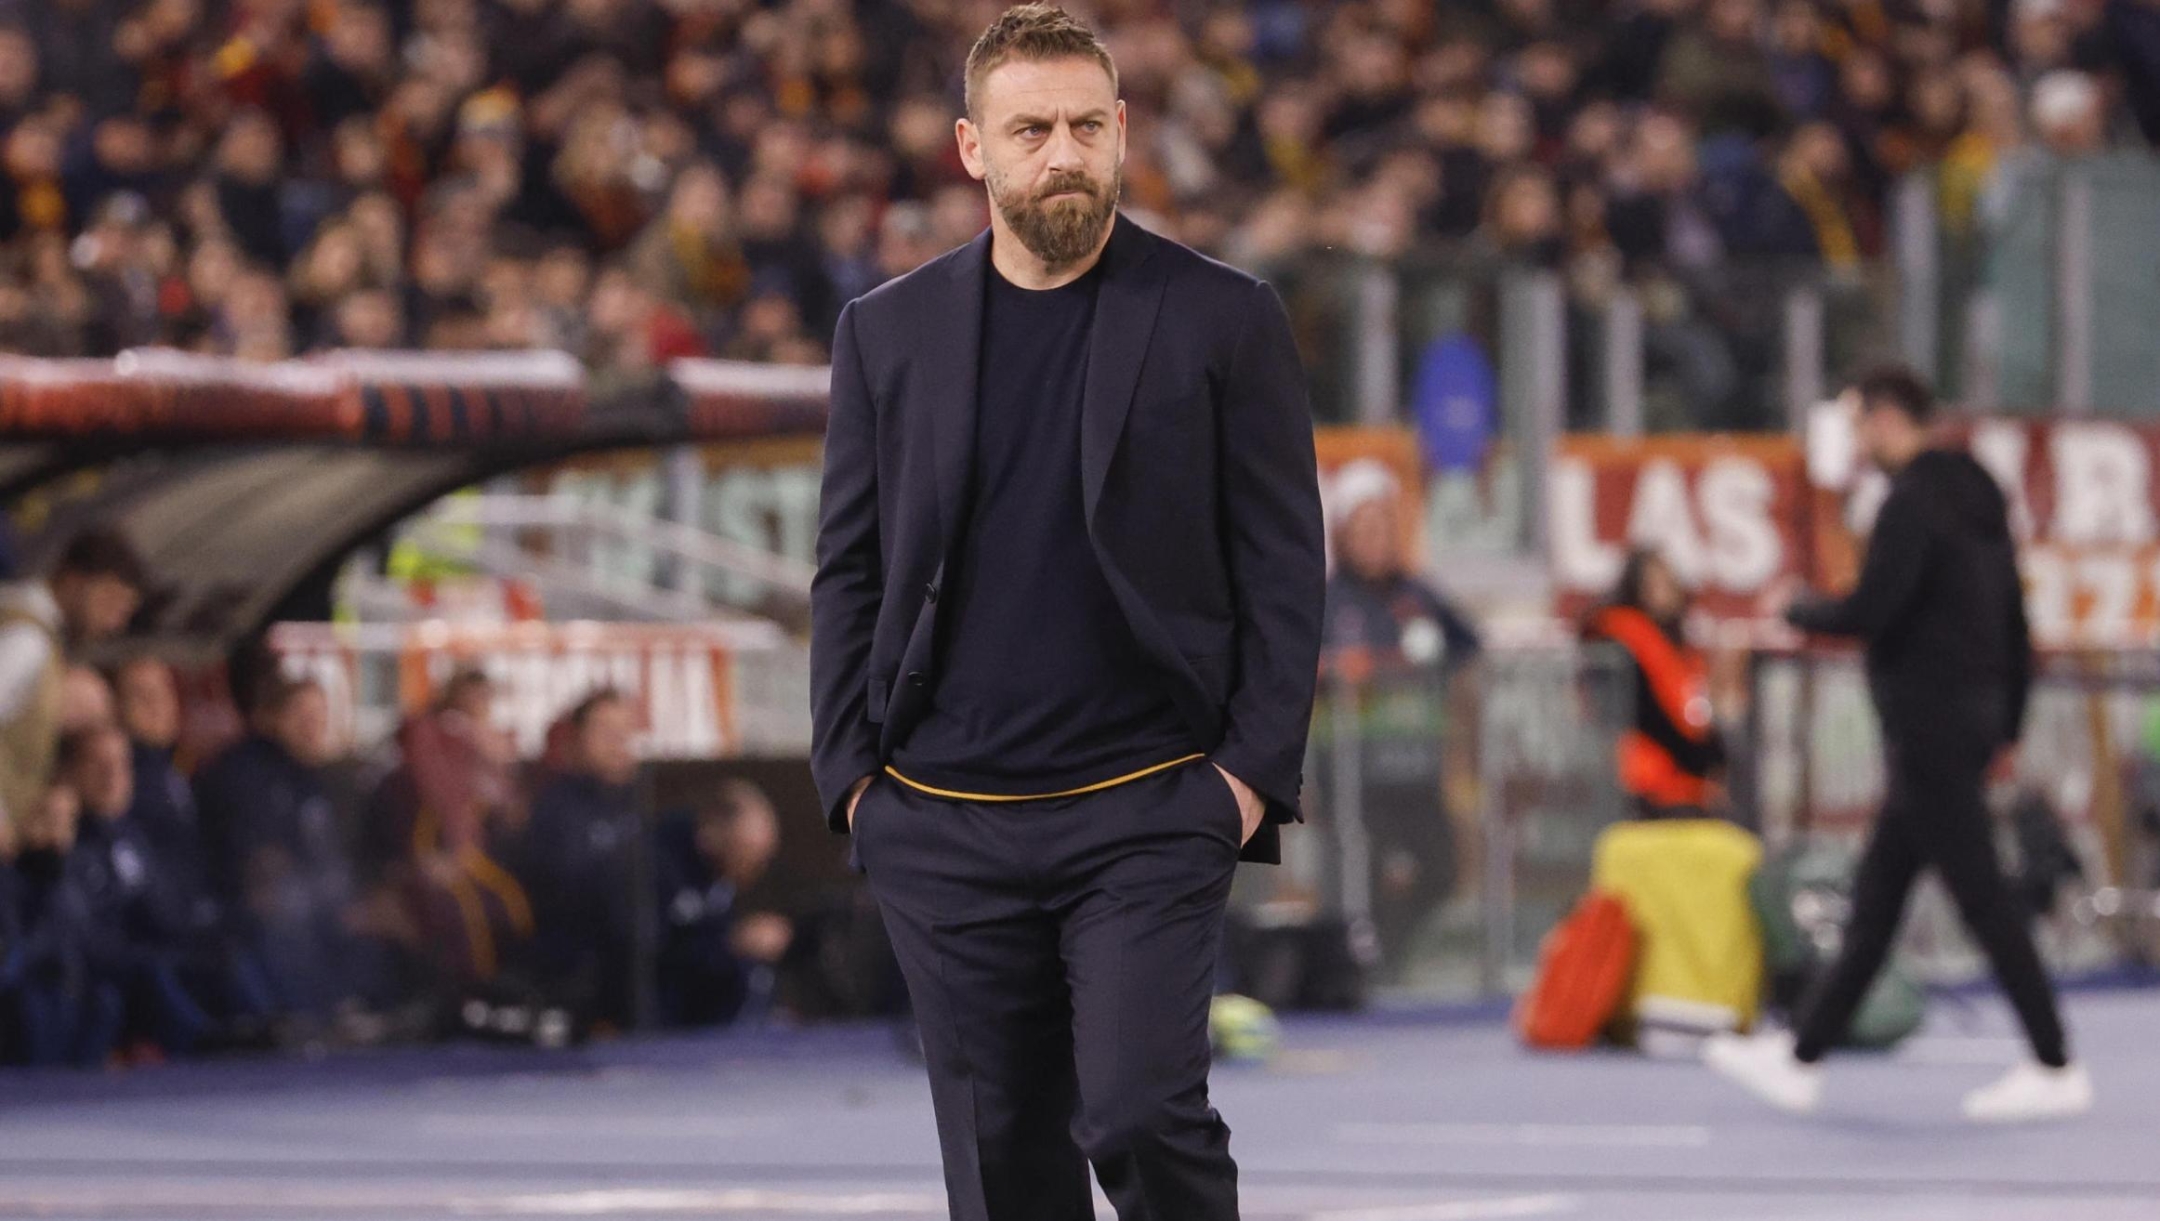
247, 487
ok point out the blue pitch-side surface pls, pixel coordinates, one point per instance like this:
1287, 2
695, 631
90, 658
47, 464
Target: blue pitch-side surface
1359, 1120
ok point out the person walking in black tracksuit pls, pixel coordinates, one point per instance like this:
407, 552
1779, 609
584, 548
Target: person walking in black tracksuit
1949, 662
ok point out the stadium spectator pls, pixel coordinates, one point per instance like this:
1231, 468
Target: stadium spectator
1656, 213
576, 863
249, 186
1719, 69
1394, 635
147, 700
279, 861
632, 331
215, 966
2067, 114
688, 254
436, 823
736, 159
69, 1001
93, 592
1670, 759
715, 957
11, 914
144, 918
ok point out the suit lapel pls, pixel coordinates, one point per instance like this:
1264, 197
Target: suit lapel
955, 339
1125, 308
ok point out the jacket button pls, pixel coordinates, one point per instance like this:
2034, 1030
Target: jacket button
918, 678
929, 593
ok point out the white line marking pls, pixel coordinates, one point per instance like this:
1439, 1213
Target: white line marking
1534, 1135
1461, 1210
621, 1201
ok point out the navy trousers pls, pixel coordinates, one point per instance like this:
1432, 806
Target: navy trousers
1061, 958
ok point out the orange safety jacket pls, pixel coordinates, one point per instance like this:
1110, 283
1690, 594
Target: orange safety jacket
1667, 757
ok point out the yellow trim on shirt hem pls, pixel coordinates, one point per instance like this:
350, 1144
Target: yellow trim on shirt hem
1098, 786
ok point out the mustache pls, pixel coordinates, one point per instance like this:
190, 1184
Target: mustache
1068, 182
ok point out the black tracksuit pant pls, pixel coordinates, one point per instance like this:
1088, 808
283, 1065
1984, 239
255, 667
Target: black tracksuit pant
1934, 816
1061, 955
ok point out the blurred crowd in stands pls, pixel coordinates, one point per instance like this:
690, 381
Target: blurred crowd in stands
264, 895
634, 180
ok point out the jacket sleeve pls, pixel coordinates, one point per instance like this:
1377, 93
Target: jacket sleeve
1896, 556
845, 594
217, 798
2021, 660
1270, 500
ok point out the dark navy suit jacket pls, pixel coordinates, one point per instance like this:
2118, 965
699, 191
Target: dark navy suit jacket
1198, 485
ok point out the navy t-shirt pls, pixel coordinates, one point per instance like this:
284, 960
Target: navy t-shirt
1040, 686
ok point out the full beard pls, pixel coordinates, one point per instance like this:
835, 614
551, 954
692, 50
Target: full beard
1063, 231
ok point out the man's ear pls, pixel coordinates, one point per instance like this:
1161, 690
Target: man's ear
969, 138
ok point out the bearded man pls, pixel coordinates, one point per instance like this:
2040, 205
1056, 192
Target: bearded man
1065, 629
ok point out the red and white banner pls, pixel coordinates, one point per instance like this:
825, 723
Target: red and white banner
2085, 505
1729, 513
1342, 449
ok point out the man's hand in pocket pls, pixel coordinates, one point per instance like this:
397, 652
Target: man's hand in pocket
1252, 808
854, 798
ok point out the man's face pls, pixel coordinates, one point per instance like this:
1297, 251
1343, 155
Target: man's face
1372, 544
369, 320
1048, 141
18, 67
149, 703
608, 743
302, 727
1885, 434
250, 151
96, 606
475, 700
104, 776
753, 838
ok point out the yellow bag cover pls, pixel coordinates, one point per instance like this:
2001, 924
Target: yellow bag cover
1685, 884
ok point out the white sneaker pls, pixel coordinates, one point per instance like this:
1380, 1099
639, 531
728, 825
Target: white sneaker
1763, 1065
2032, 1091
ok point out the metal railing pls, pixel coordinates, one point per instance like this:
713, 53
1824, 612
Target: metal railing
1511, 763
2090, 752
1449, 814
2029, 291
2036, 296
593, 557
705, 691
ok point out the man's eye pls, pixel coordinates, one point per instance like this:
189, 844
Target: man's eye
1092, 125
1034, 129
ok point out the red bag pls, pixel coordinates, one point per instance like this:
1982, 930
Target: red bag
1583, 972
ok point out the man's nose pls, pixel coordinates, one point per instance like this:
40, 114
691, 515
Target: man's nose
1064, 152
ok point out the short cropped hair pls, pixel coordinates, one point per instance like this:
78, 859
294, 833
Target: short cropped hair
99, 552
594, 701
1899, 387
275, 691
734, 798
1033, 33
